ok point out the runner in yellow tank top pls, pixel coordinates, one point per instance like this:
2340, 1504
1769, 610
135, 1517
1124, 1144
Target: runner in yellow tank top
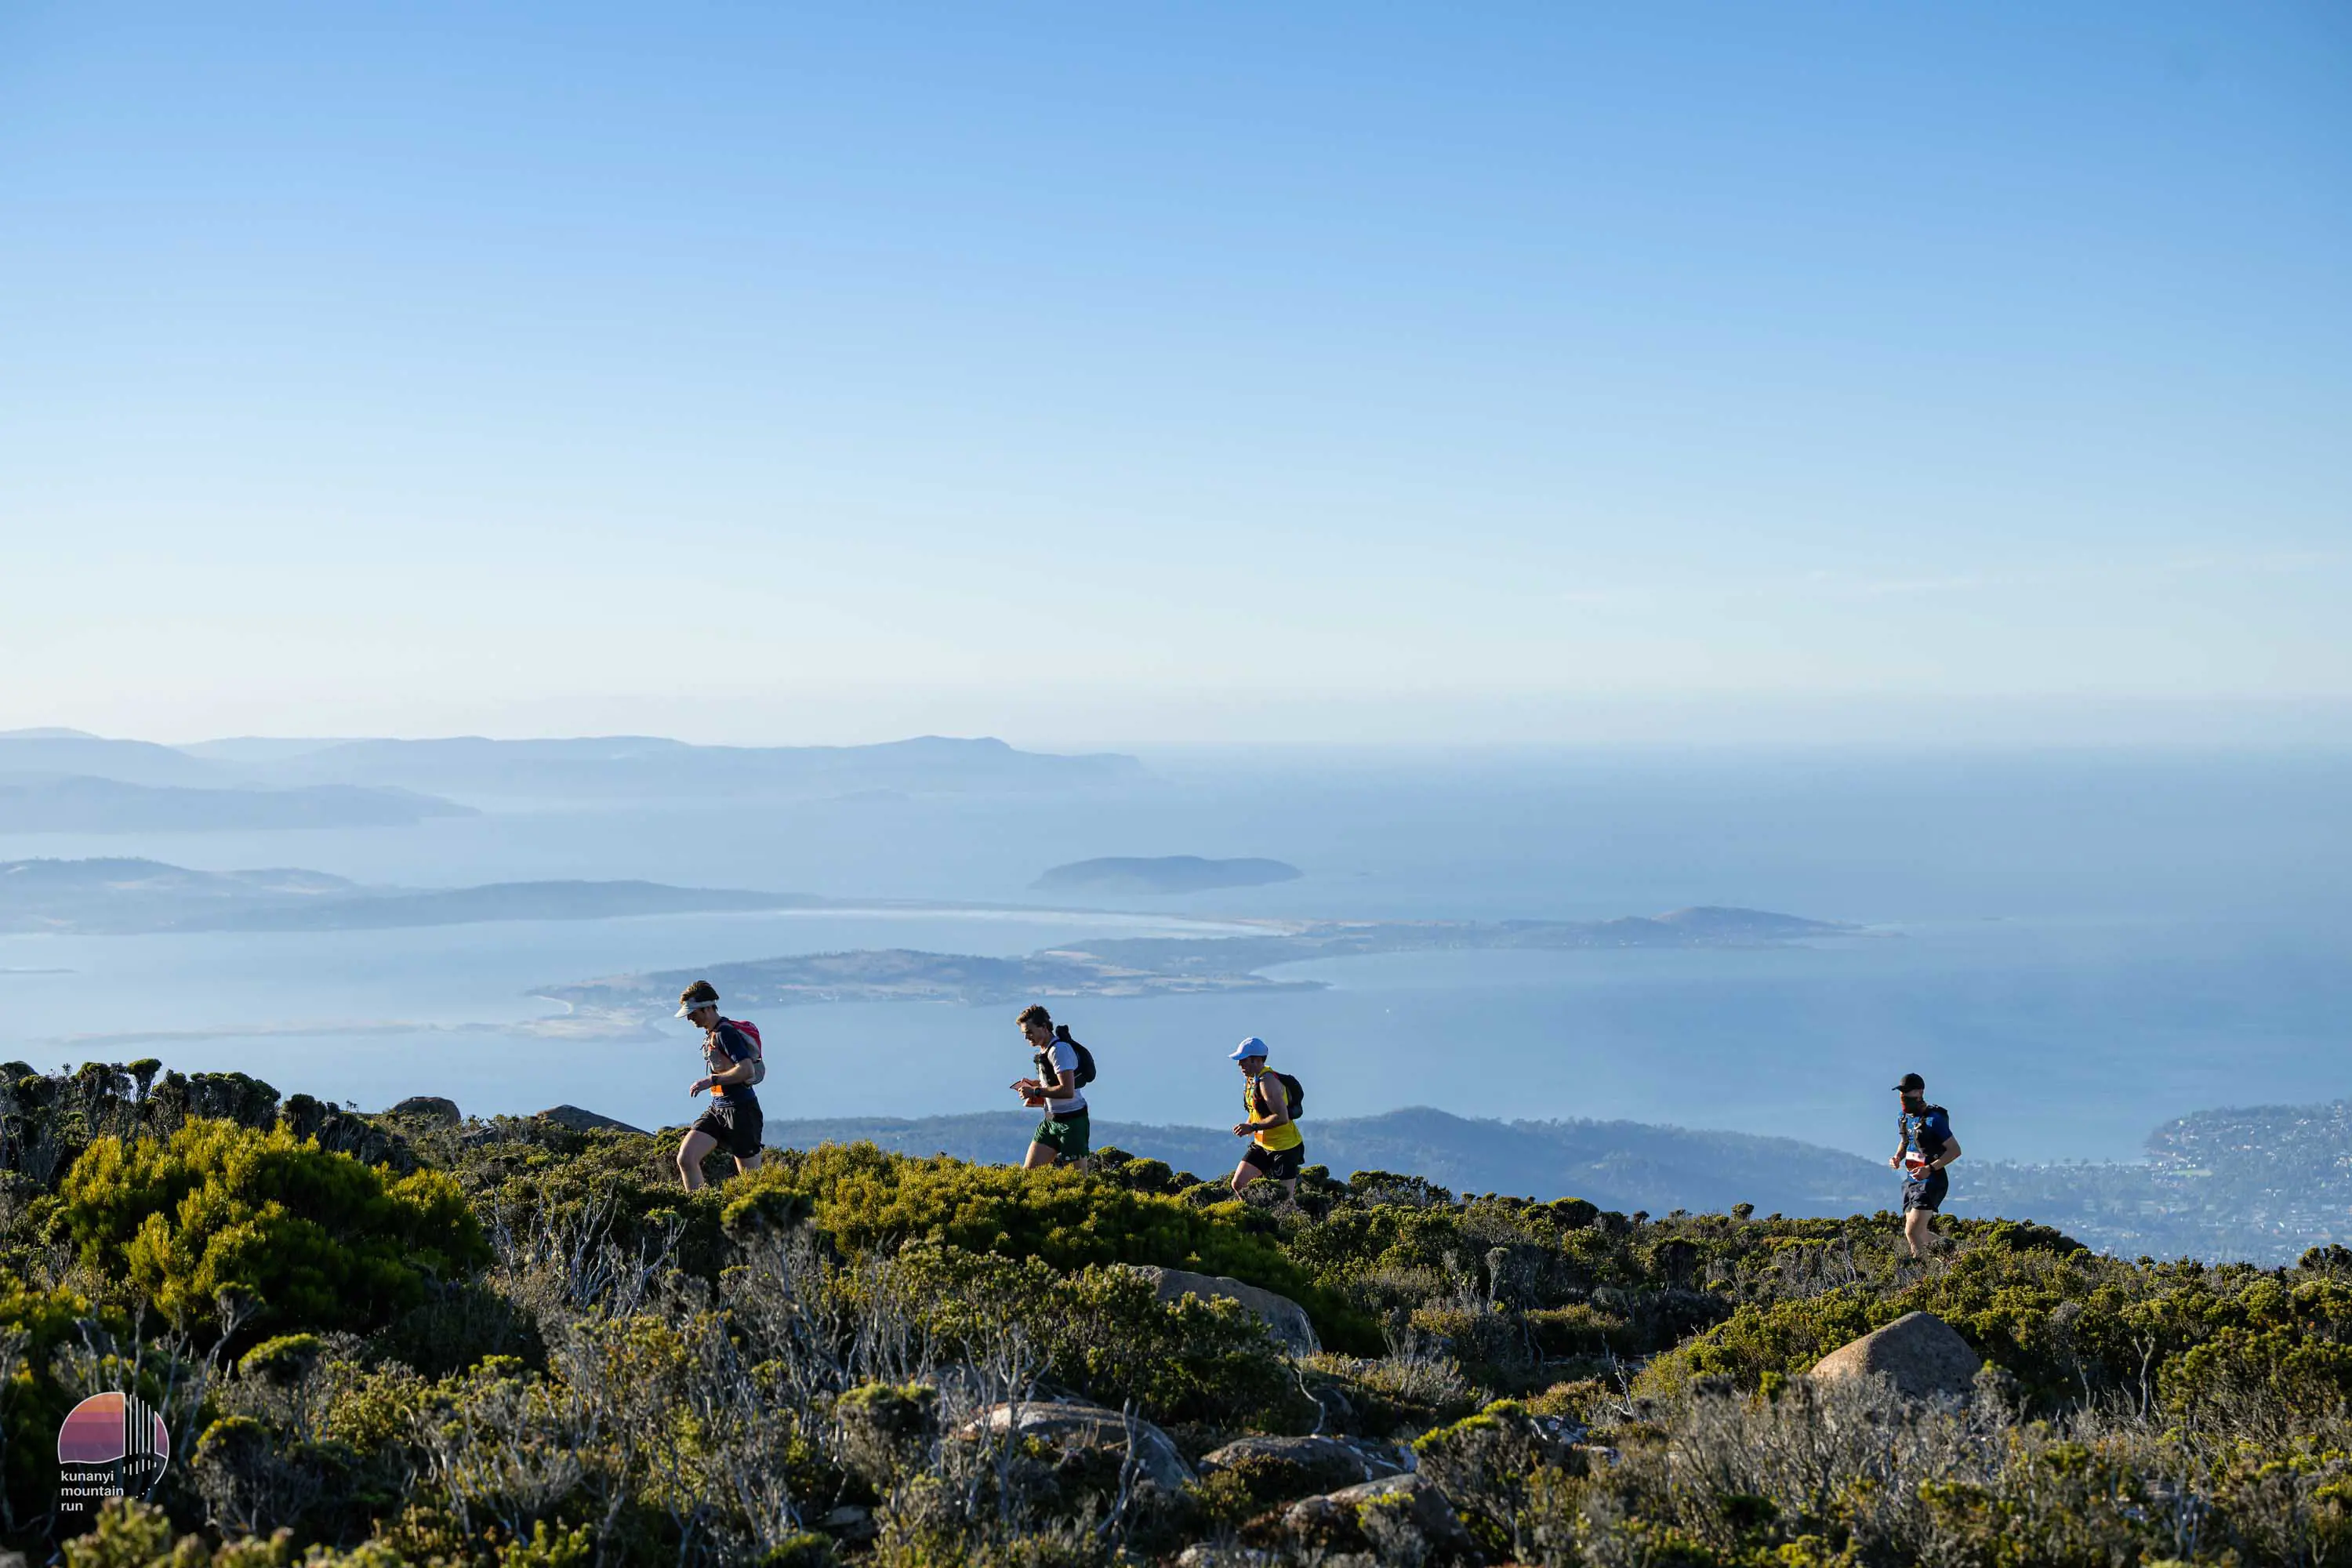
1263, 1099
1276, 1149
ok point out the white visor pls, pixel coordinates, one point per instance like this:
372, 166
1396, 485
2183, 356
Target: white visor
685, 1008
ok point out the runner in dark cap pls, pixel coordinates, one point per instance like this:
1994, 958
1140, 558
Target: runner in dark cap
1925, 1147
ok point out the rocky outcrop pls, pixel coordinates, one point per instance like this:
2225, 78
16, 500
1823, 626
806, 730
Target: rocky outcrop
1398, 1519
1074, 1427
1286, 1317
1921, 1353
578, 1121
1294, 1467
428, 1108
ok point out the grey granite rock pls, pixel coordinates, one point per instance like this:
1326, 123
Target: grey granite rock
1286, 1317
1069, 1425
1921, 1353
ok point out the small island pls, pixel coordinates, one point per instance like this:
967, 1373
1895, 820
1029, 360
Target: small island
1162, 874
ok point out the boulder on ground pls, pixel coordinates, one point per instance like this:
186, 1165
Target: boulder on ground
578, 1121
1396, 1519
1286, 1317
1294, 1467
1919, 1352
1207, 1554
1073, 1427
849, 1523
428, 1108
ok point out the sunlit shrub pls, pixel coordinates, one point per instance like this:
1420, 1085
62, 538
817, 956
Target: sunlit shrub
314, 1240
1104, 1333
866, 1199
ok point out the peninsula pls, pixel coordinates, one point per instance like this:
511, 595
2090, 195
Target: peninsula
1141, 966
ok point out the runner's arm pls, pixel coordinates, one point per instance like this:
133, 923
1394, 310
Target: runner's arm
1061, 1082
1951, 1153
738, 1070
1275, 1106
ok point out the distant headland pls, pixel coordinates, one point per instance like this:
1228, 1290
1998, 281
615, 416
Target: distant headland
1141, 966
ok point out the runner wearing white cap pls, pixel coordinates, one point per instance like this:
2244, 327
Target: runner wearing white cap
733, 1121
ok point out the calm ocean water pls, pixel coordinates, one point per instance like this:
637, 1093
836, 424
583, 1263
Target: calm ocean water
2073, 946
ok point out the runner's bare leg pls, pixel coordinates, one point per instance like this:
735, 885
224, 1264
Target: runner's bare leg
690, 1158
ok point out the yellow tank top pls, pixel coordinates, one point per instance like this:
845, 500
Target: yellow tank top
1286, 1136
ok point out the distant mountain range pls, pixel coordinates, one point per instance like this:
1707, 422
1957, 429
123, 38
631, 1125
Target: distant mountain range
124, 897
58, 780
70, 754
1624, 1165
2262, 1184
631, 765
37, 803
1162, 874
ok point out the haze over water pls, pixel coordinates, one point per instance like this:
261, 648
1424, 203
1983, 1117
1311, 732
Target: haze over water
2071, 945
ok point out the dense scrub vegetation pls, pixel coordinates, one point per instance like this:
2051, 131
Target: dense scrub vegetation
503, 1342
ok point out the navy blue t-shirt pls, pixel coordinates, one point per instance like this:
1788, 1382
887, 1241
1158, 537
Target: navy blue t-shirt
722, 1048
1926, 1131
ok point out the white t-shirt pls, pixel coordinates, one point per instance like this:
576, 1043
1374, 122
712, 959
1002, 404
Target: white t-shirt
1066, 1070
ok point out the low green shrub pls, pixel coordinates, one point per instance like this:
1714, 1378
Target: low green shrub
314, 1240
1104, 1333
868, 1200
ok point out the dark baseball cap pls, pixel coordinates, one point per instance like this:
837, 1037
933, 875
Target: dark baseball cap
1911, 1083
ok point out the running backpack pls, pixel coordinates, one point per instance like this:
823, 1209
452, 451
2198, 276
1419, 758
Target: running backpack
750, 1032
1295, 1090
1918, 1153
1086, 1056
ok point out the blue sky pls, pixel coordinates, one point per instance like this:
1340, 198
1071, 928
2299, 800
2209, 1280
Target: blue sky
1111, 375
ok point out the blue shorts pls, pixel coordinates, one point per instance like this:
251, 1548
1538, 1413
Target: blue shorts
1926, 1191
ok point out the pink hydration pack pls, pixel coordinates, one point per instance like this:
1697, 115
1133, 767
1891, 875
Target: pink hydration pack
759, 1051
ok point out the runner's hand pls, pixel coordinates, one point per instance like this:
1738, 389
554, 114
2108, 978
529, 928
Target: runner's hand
697, 1086
1894, 1161
1243, 1129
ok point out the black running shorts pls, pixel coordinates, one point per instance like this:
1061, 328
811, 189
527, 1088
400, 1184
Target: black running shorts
735, 1124
1282, 1165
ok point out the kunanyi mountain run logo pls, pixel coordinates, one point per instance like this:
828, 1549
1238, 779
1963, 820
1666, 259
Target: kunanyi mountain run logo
112, 1444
